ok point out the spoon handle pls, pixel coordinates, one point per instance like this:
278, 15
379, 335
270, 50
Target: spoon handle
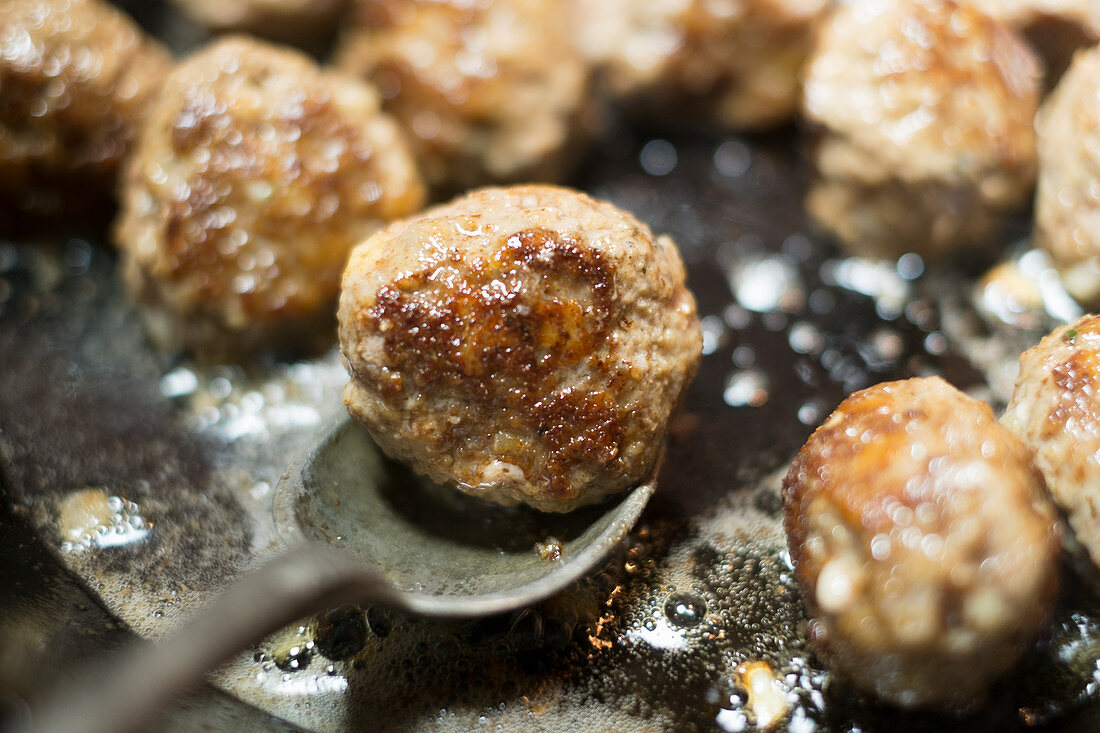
141, 680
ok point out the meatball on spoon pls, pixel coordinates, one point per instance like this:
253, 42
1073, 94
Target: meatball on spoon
523, 345
354, 534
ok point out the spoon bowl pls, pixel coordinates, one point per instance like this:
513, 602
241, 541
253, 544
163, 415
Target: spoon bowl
449, 554
361, 529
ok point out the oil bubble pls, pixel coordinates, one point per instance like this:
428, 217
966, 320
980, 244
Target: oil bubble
90, 518
526, 631
380, 621
292, 657
685, 610
340, 633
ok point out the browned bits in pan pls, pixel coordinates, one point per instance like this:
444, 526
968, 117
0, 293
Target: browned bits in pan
527, 344
924, 542
922, 111
76, 77
255, 177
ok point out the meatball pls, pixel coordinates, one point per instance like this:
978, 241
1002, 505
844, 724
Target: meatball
490, 91
524, 344
923, 111
924, 542
1056, 28
1055, 410
255, 176
1067, 207
76, 79
290, 20
734, 65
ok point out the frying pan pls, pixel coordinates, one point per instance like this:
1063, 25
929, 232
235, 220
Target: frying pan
150, 481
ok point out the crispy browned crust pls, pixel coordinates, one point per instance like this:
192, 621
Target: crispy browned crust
526, 344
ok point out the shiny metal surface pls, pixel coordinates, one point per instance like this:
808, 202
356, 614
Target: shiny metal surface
358, 530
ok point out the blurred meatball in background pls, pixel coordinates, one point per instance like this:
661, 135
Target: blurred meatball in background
490, 91
1055, 409
921, 115
924, 542
1056, 28
526, 344
731, 64
76, 78
301, 22
255, 176
1067, 202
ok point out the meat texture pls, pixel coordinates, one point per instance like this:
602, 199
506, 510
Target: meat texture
924, 542
922, 112
1056, 28
1055, 409
256, 175
76, 79
1067, 201
491, 91
732, 64
525, 344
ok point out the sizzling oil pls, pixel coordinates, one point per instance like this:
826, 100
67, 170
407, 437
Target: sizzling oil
694, 624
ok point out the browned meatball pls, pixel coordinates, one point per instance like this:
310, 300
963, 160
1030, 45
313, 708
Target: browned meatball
1056, 28
76, 77
924, 112
1067, 202
255, 176
1055, 409
730, 64
491, 91
924, 542
290, 20
526, 344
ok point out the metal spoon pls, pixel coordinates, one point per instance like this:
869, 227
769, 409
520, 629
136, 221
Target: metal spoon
358, 529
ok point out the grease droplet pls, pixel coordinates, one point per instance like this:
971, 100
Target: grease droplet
340, 633
685, 610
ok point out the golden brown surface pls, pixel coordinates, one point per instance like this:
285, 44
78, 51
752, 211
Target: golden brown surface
1055, 409
255, 177
527, 344
731, 64
489, 91
923, 111
924, 542
76, 77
